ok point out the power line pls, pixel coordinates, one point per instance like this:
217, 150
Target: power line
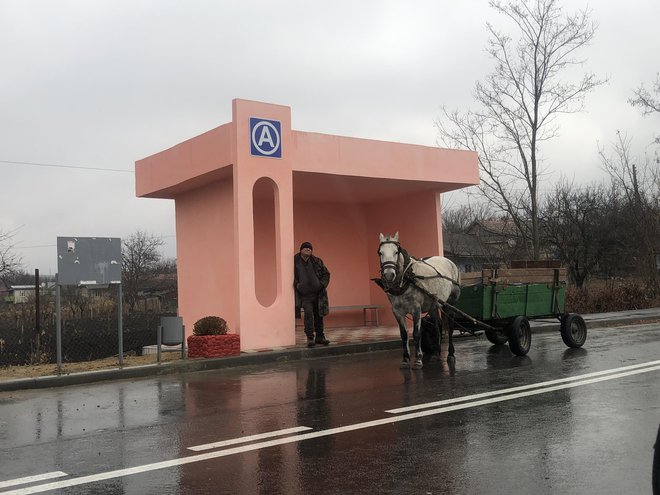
33, 164
42, 246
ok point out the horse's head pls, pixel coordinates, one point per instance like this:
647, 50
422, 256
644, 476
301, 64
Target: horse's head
388, 251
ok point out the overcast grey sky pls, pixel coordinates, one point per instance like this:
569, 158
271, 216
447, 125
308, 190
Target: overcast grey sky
101, 84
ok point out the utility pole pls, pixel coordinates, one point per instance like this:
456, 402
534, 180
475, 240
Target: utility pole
37, 316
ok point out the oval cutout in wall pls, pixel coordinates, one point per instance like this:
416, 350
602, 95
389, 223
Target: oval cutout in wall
264, 206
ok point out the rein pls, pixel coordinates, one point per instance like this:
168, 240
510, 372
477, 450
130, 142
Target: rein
437, 275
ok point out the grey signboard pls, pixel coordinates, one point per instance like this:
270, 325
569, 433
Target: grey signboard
89, 260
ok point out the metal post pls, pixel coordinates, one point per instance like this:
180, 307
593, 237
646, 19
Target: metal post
37, 318
120, 330
58, 325
159, 342
183, 341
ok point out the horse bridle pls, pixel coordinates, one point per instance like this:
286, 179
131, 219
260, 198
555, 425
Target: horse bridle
389, 264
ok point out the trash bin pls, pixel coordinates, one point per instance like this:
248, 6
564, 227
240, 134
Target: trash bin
171, 331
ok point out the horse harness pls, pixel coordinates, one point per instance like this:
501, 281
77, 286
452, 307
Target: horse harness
407, 276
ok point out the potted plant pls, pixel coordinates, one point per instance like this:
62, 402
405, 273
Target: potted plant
210, 339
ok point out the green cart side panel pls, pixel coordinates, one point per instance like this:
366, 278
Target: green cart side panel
493, 302
475, 300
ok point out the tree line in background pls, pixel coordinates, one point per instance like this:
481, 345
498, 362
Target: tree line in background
598, 228
609, 229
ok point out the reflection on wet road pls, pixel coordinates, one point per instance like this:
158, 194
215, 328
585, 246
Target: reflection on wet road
560, 421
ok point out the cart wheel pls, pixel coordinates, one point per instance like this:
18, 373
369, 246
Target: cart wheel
573, 330
520, 336
497, 337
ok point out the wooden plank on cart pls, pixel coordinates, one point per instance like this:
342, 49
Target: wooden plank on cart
514, 276
536, 264
529, 276
477, 278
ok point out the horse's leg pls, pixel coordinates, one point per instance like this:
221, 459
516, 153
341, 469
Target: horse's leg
448, 324
417, 333
401, 320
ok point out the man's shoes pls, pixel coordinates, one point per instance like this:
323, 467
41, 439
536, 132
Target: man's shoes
310, 342
322, 340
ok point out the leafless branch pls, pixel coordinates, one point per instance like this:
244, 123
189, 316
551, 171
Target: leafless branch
520, 101
10, 261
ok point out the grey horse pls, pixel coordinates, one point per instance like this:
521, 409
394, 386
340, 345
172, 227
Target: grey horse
415, 286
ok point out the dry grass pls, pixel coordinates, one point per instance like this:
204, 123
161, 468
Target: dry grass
604, 296
31, 371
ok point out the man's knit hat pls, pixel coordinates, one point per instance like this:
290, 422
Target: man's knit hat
306, 245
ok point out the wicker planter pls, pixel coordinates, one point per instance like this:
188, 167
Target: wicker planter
211, 346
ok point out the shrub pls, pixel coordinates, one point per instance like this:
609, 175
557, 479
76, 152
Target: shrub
623, 295
577, 300
210, 325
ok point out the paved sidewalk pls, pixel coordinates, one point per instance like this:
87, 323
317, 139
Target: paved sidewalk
343, 341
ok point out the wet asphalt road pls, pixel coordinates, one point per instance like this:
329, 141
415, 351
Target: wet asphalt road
593, 434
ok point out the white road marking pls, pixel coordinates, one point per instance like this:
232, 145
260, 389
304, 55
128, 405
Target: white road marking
516, 389
250, 438
316, 434
32, 479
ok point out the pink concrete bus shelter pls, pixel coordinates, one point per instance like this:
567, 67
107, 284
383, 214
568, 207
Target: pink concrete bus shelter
242, 211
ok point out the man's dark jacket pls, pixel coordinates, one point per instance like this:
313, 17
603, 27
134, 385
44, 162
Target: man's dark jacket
322, 274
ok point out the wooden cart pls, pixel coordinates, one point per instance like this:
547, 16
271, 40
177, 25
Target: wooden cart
503, 301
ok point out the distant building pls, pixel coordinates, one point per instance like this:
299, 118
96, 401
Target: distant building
499, 237
484, 242
21, 294
466, 251
490, 243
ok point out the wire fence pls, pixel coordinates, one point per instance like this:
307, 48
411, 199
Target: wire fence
89, 330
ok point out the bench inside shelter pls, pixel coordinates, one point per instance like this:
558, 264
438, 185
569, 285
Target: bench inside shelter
369, 312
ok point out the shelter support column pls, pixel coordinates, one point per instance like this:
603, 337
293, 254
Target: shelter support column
263, 212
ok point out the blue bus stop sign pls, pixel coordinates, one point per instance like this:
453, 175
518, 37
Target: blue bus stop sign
265, 138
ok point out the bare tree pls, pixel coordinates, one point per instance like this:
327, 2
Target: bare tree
648, 101
166, 266
458, 219
10, 262
139, 258
165, 284
519, 103
582, 227
639, 180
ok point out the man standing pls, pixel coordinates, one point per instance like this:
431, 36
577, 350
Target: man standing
310, 280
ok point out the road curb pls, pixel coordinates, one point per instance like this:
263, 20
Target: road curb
274, 356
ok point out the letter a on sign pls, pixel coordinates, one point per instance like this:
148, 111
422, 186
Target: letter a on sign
265, 138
